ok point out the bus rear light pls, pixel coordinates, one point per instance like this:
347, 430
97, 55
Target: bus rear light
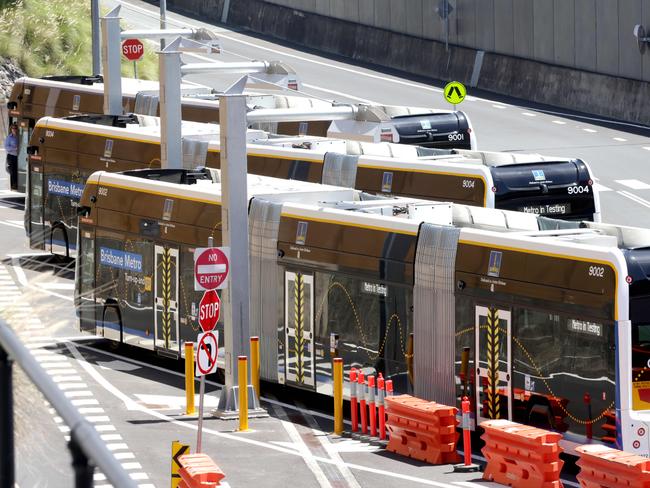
386, 136
292, 85
636, 444
494, 189
590, 182
640, 432
629, 280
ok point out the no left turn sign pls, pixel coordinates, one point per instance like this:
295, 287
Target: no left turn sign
206, 353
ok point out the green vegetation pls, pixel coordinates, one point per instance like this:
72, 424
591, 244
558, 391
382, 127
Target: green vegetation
53, 37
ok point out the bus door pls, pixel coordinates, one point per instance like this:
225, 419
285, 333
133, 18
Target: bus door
34, 209
166, 299
299, 328
493, 364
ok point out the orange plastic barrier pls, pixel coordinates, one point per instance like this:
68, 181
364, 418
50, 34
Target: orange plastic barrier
199, 471
422, 430
521, 456
604, 467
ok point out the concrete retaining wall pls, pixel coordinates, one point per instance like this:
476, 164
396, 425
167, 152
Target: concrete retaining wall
542, 82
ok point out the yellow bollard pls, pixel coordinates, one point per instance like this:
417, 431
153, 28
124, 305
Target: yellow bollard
189, 379
243, 392
255, 365
338, 396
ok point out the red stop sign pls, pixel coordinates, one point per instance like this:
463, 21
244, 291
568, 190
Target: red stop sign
209, 309
132, 49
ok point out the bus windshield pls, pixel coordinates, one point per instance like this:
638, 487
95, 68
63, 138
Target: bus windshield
641, 367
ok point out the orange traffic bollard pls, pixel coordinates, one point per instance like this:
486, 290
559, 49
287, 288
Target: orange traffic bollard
362, 402
372, 413
380, 405
353, 400
467, 466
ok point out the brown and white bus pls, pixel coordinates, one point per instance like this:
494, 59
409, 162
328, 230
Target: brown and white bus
66, 151
554, 314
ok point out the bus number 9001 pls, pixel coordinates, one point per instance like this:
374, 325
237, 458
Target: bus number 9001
597, 271
456, 137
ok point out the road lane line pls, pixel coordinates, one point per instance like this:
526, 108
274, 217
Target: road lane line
341, 94
634, 198
633, 184
301, 447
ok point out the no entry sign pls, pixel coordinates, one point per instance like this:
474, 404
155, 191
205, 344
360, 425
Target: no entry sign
132, 49
209, 310
206, 353
211, 267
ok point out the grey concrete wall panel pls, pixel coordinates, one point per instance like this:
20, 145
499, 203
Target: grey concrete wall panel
585, 34
522, 17
414, 10
367, 12
543, 36
645, 20
485, 25
351, 10
503, 27
630, 60
564, 32
398, 15
607, 36
466, 22
432, 24
321, 7
382, 14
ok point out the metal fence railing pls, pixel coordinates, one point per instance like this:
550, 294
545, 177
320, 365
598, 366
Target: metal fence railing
86, 446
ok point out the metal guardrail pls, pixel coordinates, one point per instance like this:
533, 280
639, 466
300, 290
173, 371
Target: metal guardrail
86, 446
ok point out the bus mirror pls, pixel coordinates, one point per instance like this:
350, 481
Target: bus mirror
83, 211
11, 105
31, 150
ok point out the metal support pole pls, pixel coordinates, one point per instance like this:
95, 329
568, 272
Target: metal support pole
163, 20
94, 16
446, 25
83, 470
234, 216
111, 63
199, 432
7, 468
171, 152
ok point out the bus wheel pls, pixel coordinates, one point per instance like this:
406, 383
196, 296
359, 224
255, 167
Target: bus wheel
59, 245
112, 325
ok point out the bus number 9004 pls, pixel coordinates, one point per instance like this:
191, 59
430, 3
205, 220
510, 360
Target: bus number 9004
575, 189
468, 183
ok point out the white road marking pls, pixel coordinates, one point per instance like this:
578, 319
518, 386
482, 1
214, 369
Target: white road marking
117, 446
87, 410
72, 386
634, 184
9, 224
131, 466
61, 379
96, 419
57, 370
499, 106
559, 122
528, 114
64, 428
105, 428
341, 94
619, 139
123, 455
85, 401
77, 394
99, 477
647, 148
51, 358
592, 131
116, 365
111, 437
139, 476
634, 198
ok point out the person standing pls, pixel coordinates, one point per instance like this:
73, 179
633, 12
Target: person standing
11, 146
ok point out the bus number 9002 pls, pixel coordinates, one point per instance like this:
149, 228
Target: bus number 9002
102, 191
596, 271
